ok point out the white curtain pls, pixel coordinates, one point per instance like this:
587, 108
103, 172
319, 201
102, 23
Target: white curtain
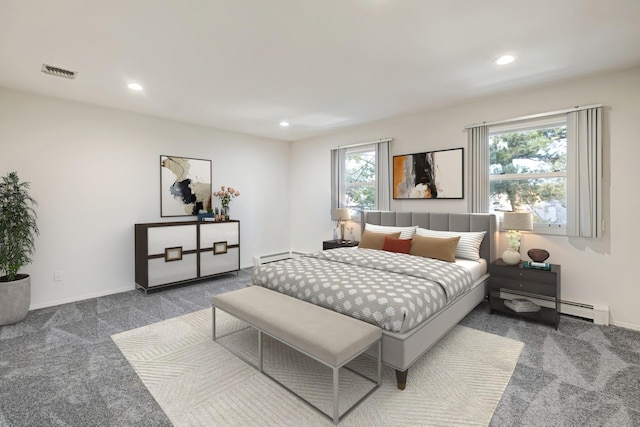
338, 177
478, 140
383, 171
584, 173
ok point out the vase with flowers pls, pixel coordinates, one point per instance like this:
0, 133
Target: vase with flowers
226, 194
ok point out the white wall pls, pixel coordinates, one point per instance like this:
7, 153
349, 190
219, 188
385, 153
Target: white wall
95, 173
601, 271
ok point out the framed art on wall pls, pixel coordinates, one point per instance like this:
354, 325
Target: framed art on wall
185, 185
429, 175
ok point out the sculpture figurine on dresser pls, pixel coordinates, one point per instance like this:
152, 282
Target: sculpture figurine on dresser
226, 194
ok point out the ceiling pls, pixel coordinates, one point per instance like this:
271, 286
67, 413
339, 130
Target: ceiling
322, 65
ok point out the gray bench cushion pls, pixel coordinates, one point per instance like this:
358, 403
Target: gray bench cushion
329, 336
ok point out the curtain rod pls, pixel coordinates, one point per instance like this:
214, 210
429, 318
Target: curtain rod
534, 116
365, 143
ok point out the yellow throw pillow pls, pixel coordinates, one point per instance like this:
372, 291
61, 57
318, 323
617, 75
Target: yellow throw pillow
443, 248
371, 240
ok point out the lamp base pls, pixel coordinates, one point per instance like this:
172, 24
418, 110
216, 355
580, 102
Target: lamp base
511, 257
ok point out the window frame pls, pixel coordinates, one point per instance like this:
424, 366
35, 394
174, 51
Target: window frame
533, 124
355, 150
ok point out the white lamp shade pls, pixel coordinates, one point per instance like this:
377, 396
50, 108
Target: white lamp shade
518, 221
341, 214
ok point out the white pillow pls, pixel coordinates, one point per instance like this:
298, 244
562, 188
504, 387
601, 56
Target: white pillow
468, 246
405, 232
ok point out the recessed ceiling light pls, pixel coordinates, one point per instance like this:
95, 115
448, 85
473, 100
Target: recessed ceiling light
505, 59
284, 124
134, 86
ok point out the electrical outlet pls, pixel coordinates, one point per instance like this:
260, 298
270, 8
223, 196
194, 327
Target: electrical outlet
57, 276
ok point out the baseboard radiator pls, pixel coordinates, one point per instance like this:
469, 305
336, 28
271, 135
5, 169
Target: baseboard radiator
265, 259
599, 314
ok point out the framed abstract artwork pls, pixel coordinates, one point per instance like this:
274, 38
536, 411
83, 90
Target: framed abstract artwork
185, 185
429, 175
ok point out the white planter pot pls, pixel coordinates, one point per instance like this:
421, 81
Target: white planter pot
15, 298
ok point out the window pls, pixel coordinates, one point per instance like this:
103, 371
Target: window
360, 177
551, 166
528, 171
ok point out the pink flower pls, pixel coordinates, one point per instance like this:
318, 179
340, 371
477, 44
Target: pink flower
222, 188
237, 193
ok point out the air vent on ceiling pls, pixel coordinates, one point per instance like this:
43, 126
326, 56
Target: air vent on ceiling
58, 72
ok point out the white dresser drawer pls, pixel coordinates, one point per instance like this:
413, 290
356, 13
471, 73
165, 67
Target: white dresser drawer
160, 238
219, 232
161, 271
220, 263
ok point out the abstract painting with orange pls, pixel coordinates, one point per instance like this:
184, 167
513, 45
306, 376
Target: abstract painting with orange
429, 175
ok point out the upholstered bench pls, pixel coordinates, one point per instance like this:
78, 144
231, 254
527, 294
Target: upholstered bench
331, 338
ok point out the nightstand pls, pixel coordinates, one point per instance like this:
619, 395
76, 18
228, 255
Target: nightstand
527, 282
333, 244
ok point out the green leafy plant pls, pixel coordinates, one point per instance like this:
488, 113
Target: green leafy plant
18, 226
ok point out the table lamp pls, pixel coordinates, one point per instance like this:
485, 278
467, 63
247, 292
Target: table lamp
514, 222
341, 215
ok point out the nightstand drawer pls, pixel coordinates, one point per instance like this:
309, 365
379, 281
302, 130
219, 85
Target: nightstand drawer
548, 289
528, 275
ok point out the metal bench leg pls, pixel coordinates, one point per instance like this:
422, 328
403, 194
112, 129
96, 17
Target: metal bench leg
213, 321
260, 350
336, 409
380, 362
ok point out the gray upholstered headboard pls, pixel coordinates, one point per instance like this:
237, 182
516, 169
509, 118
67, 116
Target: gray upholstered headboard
443, 222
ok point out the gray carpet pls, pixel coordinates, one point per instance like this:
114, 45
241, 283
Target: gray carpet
60, 367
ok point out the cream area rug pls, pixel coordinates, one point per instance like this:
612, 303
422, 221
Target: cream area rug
199, 382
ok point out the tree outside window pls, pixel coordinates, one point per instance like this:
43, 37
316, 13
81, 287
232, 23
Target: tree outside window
528, 171
360, 186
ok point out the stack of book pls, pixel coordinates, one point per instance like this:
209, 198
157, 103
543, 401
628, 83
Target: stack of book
537, 265
522, 305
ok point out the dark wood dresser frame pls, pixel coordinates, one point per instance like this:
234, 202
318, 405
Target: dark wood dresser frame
142, 257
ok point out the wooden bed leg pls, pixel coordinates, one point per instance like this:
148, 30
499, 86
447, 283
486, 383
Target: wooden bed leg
401, 378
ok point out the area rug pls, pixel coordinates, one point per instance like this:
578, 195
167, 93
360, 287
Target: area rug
198, 382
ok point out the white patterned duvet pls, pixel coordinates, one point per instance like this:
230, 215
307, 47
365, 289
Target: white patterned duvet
394, 291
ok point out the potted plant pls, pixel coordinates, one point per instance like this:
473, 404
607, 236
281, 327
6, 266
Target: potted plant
18, 229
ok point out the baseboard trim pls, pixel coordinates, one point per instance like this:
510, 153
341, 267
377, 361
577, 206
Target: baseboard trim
626, 325
80, 298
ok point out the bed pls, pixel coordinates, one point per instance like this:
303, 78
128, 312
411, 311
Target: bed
422, 301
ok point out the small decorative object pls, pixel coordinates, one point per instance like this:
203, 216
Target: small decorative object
429, 175
340, 215
513, 222
511, 256
226, 194
18, 229
538, 255
185, 185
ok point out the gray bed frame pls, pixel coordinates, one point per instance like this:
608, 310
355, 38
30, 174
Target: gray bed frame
400, 351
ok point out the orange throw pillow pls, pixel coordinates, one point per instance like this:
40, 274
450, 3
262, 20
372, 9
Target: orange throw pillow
435, 247
371, 240
402, 246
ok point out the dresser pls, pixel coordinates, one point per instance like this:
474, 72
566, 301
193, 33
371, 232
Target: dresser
170, 253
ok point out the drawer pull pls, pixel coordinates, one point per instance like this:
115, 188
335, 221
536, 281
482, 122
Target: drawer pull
173, 254
219, 248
